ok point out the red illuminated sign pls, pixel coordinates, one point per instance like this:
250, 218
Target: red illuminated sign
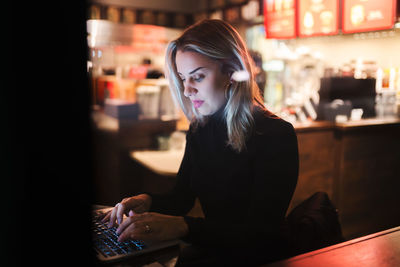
318, 17
280, 19
368, 15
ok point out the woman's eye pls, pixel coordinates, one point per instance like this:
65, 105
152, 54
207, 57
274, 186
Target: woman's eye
198, 78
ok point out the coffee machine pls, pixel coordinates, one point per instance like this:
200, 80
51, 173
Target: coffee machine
353, 93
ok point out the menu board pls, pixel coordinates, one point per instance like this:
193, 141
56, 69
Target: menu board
318, 17
280, 19
368, 15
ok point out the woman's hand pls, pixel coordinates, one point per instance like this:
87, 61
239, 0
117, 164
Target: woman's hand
152, 226
128, 206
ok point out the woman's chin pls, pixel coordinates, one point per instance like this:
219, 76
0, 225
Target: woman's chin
207, 110
203, 113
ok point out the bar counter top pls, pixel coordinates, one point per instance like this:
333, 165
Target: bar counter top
326, 125
373, 122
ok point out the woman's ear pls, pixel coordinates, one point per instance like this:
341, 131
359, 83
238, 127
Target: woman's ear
228, 73
225, 68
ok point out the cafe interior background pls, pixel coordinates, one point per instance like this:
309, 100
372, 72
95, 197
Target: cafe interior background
331, 68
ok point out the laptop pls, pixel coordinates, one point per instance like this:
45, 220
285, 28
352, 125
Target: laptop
109, 250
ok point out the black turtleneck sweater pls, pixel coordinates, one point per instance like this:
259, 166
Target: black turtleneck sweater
244, 196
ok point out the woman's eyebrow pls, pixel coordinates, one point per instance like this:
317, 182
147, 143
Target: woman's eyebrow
193, 71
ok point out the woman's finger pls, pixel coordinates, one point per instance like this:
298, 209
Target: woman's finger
126, 232
136, 230
130, 220
106, 216
120, 212
113, 216
125, 224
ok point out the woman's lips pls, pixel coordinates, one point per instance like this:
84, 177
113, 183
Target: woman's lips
197, 103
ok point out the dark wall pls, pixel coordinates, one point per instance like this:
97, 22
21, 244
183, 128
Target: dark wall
46, 185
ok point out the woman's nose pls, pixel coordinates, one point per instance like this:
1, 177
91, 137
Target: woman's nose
189, 90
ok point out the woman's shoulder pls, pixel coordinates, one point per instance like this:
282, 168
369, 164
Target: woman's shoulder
271, 133
268, 123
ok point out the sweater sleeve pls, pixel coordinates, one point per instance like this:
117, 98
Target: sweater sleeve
275, 172
181, 198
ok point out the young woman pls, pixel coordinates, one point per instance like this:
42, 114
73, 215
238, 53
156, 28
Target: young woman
240, 160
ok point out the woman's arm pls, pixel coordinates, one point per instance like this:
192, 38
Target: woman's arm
276, 170
181, 199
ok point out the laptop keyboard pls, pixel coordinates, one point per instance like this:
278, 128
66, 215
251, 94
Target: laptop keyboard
106, 241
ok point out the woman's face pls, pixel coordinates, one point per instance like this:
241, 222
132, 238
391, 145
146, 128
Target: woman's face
204, 83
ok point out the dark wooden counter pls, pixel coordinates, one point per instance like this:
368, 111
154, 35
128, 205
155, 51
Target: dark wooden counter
358, 165
367, 180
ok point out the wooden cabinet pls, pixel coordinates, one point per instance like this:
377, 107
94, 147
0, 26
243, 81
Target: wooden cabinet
316, 164
368, 178
358, 165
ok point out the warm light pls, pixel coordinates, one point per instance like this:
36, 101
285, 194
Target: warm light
92, 29
308, 20
274, 65
240, 76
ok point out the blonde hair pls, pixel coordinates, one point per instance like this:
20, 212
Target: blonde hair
218, 40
